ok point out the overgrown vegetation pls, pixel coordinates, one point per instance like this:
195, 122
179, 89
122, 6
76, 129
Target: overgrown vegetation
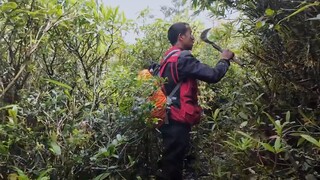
72, 108
268, 124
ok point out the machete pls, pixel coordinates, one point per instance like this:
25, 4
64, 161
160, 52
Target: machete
204, 37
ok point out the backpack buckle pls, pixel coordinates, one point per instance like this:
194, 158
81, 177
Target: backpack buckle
169, 102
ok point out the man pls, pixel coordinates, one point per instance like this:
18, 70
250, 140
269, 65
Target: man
184, 112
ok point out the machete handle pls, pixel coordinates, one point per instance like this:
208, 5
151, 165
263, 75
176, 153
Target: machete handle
234, 59
214, 45
237, 61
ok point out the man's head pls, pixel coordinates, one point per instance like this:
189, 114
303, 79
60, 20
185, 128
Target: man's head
180, 35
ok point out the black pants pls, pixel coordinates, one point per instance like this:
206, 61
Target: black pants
176, 139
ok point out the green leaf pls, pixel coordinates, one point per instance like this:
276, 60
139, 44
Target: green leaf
246, 135
115, 156
106, 12
130, 159
113, 167
101, 48
13, 113
269, 12
303, 114
288, 116
115, 12
295, 134
231, 144
276, 124
54, 136
55, 148
72, 1
300, 141
260, 24
102, 176
215, 114
8, 107
106, 152
119, 137
277, 145
22, 175
243, 115
244, 124
91, 4
66, 92
277, 27
12, 176
124, 19
59, 10
59, 84
300, 10
44, 178
43, 174
4, 149
310, 139
268, 147
8, 6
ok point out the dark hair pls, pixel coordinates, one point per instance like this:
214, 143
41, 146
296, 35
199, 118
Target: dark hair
175, 30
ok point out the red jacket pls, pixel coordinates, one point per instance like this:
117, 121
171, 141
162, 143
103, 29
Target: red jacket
183, 66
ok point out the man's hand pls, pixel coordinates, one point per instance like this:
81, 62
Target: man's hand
227, 54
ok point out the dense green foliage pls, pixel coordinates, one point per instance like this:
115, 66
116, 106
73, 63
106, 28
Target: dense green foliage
278, 105
61, 113
71, 106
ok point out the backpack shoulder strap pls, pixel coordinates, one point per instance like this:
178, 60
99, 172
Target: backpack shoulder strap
175, 90
169, 102
169, 98
168, 56
164, 62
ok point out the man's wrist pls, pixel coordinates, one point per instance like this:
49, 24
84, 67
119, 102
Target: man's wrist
226, 60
